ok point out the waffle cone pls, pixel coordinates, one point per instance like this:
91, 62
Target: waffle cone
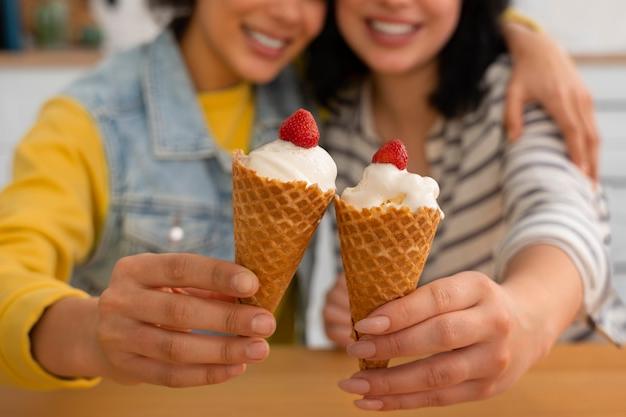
383, 251
273, 223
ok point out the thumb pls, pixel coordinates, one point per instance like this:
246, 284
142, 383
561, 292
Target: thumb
514, 112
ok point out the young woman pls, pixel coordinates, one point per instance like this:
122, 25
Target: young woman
523, 250
134, 158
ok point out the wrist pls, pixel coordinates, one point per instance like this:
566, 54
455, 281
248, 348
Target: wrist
512, 17
537, 329
517, 37
547, 289
64, 339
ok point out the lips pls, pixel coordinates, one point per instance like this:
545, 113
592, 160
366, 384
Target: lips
392, 33
267, 40
265, 44
391, 28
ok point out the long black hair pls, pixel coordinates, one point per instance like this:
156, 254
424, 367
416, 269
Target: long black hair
182, 5
331, 66
181, 13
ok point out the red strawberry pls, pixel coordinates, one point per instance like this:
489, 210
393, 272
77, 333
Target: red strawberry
300, 129
392, 152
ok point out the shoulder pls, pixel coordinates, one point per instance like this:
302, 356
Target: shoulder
492, 109
64, 139
494, 85
114, 84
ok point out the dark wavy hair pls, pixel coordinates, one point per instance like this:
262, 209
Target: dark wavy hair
331, 67
173, 4
181, 13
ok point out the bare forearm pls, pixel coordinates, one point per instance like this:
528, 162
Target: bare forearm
547, 287
64, 342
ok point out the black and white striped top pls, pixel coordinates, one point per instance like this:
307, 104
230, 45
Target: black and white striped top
499, 198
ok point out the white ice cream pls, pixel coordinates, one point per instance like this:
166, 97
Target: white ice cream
386, 185
284, 161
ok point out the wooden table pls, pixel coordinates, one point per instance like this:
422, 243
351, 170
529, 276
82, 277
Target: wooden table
575, 381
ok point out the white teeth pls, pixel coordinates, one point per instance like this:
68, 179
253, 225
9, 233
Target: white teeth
389, 28
267, 41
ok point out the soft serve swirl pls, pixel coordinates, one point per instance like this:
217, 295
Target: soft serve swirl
284, 161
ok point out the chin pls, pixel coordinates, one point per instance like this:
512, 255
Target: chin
392, 65
261, 73
391, 68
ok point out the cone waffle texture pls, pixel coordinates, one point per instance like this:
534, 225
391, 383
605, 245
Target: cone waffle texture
383, 251
273, 223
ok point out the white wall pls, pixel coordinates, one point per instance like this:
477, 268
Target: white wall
22, 92
582, 26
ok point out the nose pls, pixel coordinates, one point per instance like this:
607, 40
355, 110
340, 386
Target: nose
287, 11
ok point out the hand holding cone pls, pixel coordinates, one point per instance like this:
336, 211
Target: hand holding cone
383, 248
275, 219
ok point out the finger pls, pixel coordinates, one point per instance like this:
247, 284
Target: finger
514, 113
338, 296
334, 314
439, 334
592, 136
340, 335
157, 372
566, 117
467, 391
189, 348
341, 280
206, 294
435, 372
441, 296
181, 270
186, 312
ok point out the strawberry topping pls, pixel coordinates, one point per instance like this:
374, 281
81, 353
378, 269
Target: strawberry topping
300, 129
392, 152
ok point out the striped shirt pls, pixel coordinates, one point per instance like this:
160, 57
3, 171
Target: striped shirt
499, 198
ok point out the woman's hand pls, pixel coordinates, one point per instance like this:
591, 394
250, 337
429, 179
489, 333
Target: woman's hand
544, 73
337, 318
475, 341
138, 330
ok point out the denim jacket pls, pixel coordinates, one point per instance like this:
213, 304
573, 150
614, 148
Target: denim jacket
170, 185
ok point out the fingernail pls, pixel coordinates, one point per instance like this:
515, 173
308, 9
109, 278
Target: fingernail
257, 350
362, 350
373, 325
355, 386
263, 324
244, 282
373, 405
236, 370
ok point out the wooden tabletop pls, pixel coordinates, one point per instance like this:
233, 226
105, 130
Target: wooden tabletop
574, 381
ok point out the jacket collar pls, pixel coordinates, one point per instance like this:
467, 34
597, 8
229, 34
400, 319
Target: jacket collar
177, 126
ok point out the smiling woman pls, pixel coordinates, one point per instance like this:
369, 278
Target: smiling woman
473, 45
144, 141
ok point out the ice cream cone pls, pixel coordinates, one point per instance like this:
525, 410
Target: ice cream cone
273, 223
384, 250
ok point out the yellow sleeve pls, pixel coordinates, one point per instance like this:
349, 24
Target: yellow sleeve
50, 217
513, 16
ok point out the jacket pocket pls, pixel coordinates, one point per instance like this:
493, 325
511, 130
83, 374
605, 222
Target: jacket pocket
170, 232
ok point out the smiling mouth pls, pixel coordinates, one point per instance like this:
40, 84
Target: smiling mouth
392, 28
266, 40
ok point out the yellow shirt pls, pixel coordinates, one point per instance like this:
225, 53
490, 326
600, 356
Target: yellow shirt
52, 213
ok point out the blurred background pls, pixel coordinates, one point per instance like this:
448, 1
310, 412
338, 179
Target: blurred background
44, 44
